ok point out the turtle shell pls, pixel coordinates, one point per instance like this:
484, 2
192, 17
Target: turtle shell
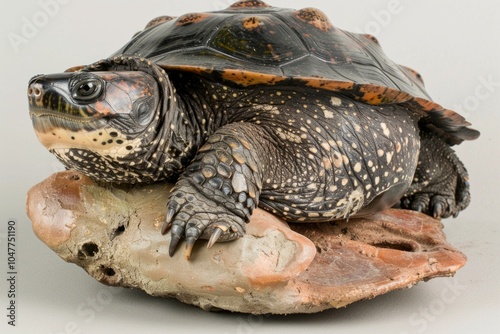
252, 43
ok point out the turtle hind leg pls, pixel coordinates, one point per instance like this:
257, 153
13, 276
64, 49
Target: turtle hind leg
440, 186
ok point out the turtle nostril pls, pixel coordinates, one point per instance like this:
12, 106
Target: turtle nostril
35, 87
35, 90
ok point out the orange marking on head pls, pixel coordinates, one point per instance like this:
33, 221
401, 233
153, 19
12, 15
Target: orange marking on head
104, 108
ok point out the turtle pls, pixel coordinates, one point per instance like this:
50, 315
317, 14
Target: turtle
256, 106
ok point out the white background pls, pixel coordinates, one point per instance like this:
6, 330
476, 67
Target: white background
453, 44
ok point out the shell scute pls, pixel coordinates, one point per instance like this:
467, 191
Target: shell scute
249, 4
251, 44
191, 18
159, 20
314, 17
251, 39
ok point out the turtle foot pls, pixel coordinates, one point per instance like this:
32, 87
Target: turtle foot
441, 182
440, 205
435, 206
193, 216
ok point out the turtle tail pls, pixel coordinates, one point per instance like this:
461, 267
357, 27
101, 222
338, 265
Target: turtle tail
445, 123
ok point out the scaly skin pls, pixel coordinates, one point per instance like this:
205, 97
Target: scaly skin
218, 192
440, 186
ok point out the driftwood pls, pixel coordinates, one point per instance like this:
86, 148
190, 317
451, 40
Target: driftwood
114, 234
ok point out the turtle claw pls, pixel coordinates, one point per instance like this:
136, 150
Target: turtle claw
177, 232
166, 226
197, 229
438, 210
216, 234
437, 206
193, 216
189, 247
173, 244
419, 208
418, 202
171, 211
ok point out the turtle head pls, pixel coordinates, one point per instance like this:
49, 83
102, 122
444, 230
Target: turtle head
105, 122
81, 103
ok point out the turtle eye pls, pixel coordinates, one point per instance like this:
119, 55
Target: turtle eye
86, 89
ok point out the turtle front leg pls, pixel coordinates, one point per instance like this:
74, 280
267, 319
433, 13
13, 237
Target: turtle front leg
440, 186
216, 195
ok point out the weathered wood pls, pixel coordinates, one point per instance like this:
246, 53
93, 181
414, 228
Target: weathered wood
114, 234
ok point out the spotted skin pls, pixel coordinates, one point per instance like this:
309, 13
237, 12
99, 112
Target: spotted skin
256, 106
295, 152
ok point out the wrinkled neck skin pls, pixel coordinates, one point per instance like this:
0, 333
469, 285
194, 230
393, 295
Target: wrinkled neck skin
188, 118
192, 118
200, 109
177, 139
